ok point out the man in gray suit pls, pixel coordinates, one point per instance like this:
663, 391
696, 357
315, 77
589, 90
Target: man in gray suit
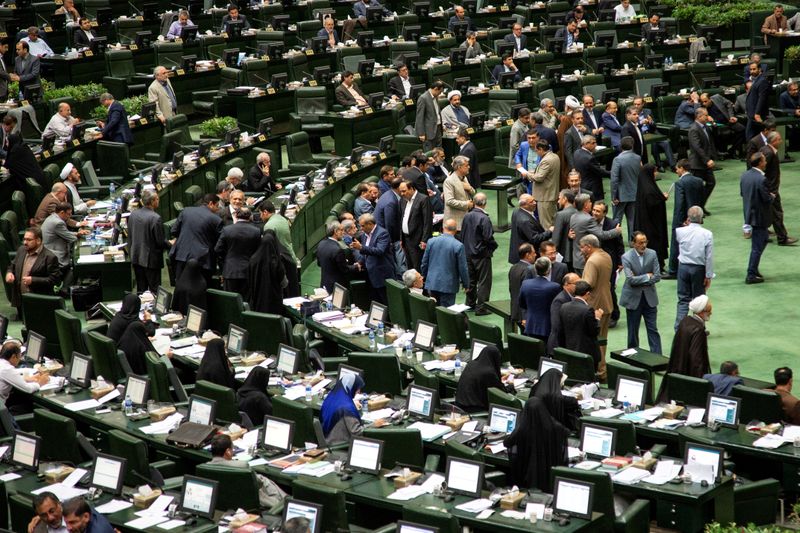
518, 130
26, 67
428, 123
147, 243
57, 238
581, 224
624, 182
639, 296
566, 206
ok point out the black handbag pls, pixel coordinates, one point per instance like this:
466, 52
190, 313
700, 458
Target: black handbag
86, 295
309, 308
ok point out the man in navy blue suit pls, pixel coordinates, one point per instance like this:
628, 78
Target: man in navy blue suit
757, 103
535, 297
375, 247
116, 128
196, 232
757, 213
444, 264
387, 216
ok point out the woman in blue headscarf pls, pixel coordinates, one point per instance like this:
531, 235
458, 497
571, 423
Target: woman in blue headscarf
340, 416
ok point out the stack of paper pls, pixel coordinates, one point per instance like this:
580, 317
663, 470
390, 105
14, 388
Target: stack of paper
664, 473
63, 492
769, 441
372, 416
607, 413
164, 426
113, 506
429, 431
630, 475
407, 493
475, 506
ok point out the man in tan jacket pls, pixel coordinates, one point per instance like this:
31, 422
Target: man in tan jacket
546, 179
160, 92
457, 191
597, 273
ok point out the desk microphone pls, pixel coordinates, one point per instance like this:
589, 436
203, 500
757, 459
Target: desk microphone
135, 9
170, 60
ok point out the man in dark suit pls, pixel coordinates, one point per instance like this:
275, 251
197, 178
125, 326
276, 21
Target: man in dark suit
196, 232
416, 223
26, 67
688, 191
428, 119
567, 290
525, 228
639, 296
478, 237
517, 38
458, 17
566, 208
236, 245
416, 172
332, 261
83, 36
116, 128
34, 269
614, 247
591, 173
573, 137
702, 153
536, 296
757, 103
517, 274
387, 216
652, 28
507, 65
468, 149
631, 129
580, 324
233, 16
757, 200
592, 116
557, 269
375, 247
759, 141
147, 243
5, 77
772, 177
400, 85
544, 132
569, 33
347, 93
329, 32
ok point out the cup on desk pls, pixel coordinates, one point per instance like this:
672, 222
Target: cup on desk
398, 350
796, 442
419, 356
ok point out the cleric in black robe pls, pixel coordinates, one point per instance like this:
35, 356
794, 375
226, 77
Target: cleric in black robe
128, 314
252, 396
266, 277
21, 164
479, 375
689, 355
537, 444
190, 288
564, 409
651, 213
292, 287
215, 367
134, 343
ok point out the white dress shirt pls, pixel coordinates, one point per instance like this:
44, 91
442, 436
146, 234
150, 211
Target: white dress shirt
78, 205
11, 377
59, 125
407, 213
38, 48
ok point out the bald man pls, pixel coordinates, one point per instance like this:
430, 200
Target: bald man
57, 195
160, 92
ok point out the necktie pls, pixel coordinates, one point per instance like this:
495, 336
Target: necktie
171, 96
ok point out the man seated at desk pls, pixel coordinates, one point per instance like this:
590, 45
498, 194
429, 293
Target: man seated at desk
361, 6
400, 85
506, 66
726, 379
36, 46
348, 94
49, 514
177, 26
578, 15
329, 32
569, 33
10, 378
653, 25
80, 518
471, 45
68, 10
233, 16
83, 36
61, 123
774, 23
455, 114
460, 16
516, 38
783, 386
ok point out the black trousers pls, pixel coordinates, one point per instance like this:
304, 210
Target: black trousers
777, 218
147, 279
236, 285
413, 253
707, 175
480, 281
180, 265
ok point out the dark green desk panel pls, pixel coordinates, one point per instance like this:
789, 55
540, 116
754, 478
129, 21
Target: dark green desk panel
77, 71
484, 142
363, 129
115, 277
250, 111
653, 362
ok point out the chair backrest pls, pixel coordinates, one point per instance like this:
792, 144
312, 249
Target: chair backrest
400, 446
39, 314
524, 351
223, 308
9, 227
451, 327
104, 357
266, 331
350, 62
59, 436
626, 433
19, 206
89, 174
397, 297
686, 389
159, 378
33, 195
603, 496
20, 505
175, 382
334, 508
297, 148
487, 332
425, 378
501, 101
580, 366
119, 63
255, 72
227, 406
438, 518
168, 53
113, 159
127, 28
381, 371
68, 327
421, 307
238, 487
125, 445
617, 368
192, 195
457, 450
757, 404
501, 397
302, 416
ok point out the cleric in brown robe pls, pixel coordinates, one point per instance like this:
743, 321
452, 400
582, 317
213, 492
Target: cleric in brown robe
689, 355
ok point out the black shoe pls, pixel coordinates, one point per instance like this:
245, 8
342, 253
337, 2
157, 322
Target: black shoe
613, 324
770, 239
753, 281
669, 275
482, 312
788, 241
706, 212
787, 159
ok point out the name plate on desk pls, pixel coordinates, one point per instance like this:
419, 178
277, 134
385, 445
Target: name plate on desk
744, 61
178, 173
178, 40
262, 137
353, 168
495, 87
648, 99
692, 39
231, 149
3, 35
11, 6
142, 121
312, 83
309, 52
224, 35
24, 103
357, 75
471, 130
510, 122
221, 64
76, 142
45, 154
132, 47
203, 161
503, 8
93, 24
446, 35
642, 19
382, 156
368, 111
140, 18
180, 72
409, 101
48, 29
88, 53
270, 91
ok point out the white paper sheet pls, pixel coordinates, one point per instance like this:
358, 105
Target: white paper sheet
665, 472
459, 308
159, 505
108, 397
295, 392
769, 441
429, 431
113, 506
475, 506
63, 493
483, 515
171, 524
630, 475
607, 413
372, 416
74, 477
90, 259
789, 434
407, 493
146, 521
82, 405
497, 448
9, 477
695, 416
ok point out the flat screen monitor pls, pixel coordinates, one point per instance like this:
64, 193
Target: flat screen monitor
607, 15
598, 441
279, 81
609, 95
80, 372
654, 61
417, 90
464, 477
659, 89
422, 402
35, 347
149, 10
138, 388
103, 16
273, 50
707, 56
177, 160
280, 22
234, 28
366, 67
502, 419
504, 47
573, 497
606, 39
505, 23
657, 37
288, 359
265, 125
108, 473
32, 93
412, 32
322, 75
545, 364
143, 39
378, 314
460, 30
340, 298
554, 72
365, 455
163, 301
188, 33
425, 335
318, 44
374, 14
195, 320
198, 496
202, 410
422, 10
706, 455
724, 410
710, 82
461, 85
189, 62
277, 434
515, 109
630, 390
506, 80
364, 39
477, 348
477, 119
411, 527
385, 145
375, 100
604, 66
48, 141
237, 341
230, 57
25, 450
301, 509
458, 56
149, 111
98, 45
556, 45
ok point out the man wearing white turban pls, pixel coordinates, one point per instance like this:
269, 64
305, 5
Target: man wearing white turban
72, 178
455, 114
689, 355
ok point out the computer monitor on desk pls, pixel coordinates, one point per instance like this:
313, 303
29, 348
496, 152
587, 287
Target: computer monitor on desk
32, 93
277, 435
143, 39
375, 100
188, 63
348, 369
378, 314
609, 95
318, 45
198, 496
365, 38
163, 301
598, 441
659, 89
188, 33
195, 320
365, 455
654, 61
340, 298
705, 455
417, 90
707, 56
422, 402
138, 389
108, 473
410, 527
35, 347
48, 141
177, 160
411, 60
79, 131
606, 15
722, 410
202, 410
556, 45
630, 390
237, 341
25, 450
232, 137
80, 371
554, 73
422, 10
265, 125
464, 477
274, 51
573, 498
458, 56
502, 419
605, 38
506, 79
234, 28
280, 22
288, 359
604, 67
366, 67
230, 57
477, 119
460, 30
425, 336
411, 33
374, 15
301, 509
546, 363
322, 75
279, 81
385, 145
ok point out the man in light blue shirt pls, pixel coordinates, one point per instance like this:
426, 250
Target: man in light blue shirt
695, 261
178, 25
36, 45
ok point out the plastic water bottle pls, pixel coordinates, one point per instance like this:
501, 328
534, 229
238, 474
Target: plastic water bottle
458, 366
128, 405
308, 392
364, 405
112, 190
371, 339
407, 353
381, 332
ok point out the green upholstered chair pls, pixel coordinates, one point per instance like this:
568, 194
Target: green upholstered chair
19, 206
636, 517
501, 397
168, 53
114, 159
301, 414
227, 406
255, 72
238, 487
451, 327
397, 297
223, 308
401, 445
342, 55
687, 390
39, 316
424, 378
105, 357
299, 151
180, 123
480, 330
580, 366
126, 29
306, 29
121, 74
33, 195
9, 227
139, 468
407, 144
212, 46
501, 102
381, 371
502, 140
20, 505
68, 329
89, 176
757, 404
398, 49
159, 378
52, 173
350, 61
618, 368
169, 145
438, 518
626, 433
178, 390
266, 331
525, 351
334, 507
192, 195
756, 502
59, 437
421, 307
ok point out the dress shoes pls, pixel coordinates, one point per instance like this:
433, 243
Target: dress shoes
788, 241
753, 281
